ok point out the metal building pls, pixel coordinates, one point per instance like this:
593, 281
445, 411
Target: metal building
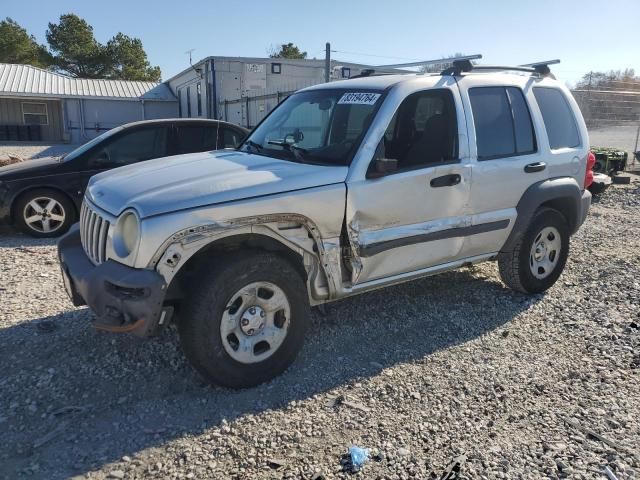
38, 105
243, 90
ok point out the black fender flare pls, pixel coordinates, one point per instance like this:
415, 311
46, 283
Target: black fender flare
562, 193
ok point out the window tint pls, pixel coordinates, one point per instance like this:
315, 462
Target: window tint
423, 130
133, 146
494, 125
502, 122
195, 138
558, 118
525, 139
229, 138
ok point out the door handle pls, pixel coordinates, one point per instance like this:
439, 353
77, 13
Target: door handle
446, 180
535, 167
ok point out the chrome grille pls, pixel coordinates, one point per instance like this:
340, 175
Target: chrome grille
93, 234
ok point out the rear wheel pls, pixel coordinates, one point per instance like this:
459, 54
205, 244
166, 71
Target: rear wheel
539, 256
245, 321
44, 213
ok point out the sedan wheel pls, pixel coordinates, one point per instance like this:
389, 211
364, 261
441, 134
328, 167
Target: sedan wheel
44, 215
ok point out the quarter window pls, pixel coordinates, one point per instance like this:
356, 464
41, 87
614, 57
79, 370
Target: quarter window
230, 138
35, 114
558, 118
502, 122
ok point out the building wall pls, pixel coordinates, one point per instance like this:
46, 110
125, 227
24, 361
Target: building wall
101, 115
186, 86
11, 113
233, 79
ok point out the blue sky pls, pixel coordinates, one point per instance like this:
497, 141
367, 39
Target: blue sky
586, 35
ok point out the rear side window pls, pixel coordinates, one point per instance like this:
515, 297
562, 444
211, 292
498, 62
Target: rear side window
195, 138
558, 118
502, 122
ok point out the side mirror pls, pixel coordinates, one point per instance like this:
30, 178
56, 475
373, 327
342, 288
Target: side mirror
381, 166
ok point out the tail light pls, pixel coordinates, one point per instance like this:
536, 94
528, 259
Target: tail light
588, 175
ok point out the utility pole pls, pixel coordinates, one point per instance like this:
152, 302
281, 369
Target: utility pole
327, 63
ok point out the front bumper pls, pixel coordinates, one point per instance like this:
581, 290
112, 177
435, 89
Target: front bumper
124, 299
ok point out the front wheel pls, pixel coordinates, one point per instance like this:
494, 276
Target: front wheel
539, 256
245, 321
44, 213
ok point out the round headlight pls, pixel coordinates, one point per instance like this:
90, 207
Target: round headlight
127, 234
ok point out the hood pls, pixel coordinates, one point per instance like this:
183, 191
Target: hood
30, 168
175, 183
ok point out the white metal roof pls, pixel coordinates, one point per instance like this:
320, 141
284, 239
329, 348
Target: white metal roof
29, 81
304, 62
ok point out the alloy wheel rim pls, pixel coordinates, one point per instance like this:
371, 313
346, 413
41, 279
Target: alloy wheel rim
44, 215
545, 252
255, 322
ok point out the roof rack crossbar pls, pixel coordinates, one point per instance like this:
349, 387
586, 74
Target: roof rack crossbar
431, 62
460, 65
542, 67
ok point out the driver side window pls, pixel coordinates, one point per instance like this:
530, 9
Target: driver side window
130, 147
423, 131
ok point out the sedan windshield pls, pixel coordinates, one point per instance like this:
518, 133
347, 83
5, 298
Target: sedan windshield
319, 126
86, 146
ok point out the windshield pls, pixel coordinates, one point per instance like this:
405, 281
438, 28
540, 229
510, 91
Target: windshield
86, 146
319, 126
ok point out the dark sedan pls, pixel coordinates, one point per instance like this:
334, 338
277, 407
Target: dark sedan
43, 196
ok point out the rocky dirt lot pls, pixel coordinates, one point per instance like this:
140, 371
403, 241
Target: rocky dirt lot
35, 150
421, 374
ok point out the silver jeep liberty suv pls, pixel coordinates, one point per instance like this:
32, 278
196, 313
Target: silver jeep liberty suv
344, 188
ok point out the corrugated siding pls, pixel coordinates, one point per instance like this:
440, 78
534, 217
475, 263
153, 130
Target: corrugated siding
11, 114
31, 81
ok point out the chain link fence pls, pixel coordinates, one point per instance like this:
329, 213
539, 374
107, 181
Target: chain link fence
612, 115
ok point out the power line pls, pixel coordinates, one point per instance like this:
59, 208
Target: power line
376, 56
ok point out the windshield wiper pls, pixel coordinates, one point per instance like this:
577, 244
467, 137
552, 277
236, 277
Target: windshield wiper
253, 144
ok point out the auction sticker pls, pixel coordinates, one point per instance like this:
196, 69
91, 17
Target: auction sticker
359, 98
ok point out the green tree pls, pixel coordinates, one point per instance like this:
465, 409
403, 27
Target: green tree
17, 46
75, 50
129, 60
287, 50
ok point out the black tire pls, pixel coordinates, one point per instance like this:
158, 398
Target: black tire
621, 180
215, 287
515, 266
22, 210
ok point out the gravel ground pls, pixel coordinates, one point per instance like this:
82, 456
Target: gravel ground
525, 387
33, 150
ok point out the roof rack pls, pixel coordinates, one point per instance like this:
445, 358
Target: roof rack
379, 69
437, 61
463, 65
